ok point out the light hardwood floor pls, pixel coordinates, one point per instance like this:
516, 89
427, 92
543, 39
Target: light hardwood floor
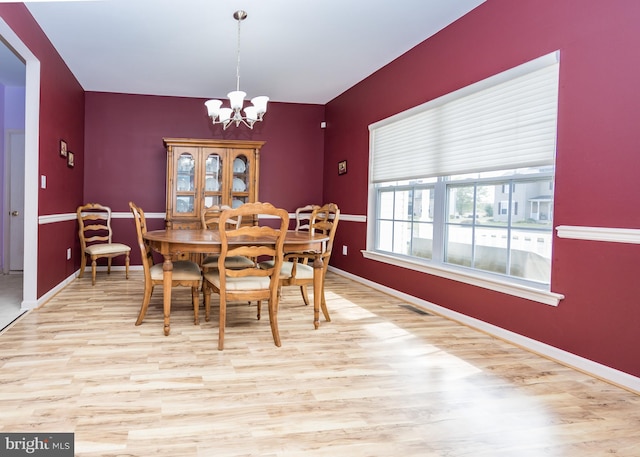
10, 298
379, 380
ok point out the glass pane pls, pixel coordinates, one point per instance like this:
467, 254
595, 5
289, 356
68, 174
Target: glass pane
403, 208
422, 242
534, 201
531, 255
213, 174
458, 246
460, 204
385, 235
240, 182
238, 201
210, 201
184, 204
423, 203
186, 170
386, 205
491, 250
485, 199
402, 237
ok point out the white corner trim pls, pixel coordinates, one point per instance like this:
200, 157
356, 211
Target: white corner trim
615, 235
517, 290
616, 377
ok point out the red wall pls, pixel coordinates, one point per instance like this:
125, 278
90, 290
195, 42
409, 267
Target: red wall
596, 174
125, 158
61, 117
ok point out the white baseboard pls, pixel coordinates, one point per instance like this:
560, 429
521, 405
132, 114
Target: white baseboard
608, 374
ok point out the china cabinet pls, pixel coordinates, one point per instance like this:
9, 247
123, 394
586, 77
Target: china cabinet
204, 173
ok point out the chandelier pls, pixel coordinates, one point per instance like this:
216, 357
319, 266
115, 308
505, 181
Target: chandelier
233, 115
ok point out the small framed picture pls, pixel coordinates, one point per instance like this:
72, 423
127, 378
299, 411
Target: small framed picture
63, 148
70, 158
342, 167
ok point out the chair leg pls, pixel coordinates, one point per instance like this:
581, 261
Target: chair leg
206, 292
305, 295
196, 304
83, 265
93, 271
148, 290
273, 320
109, 265
259, 309
323, 301
223, 318
126, 266
323, 305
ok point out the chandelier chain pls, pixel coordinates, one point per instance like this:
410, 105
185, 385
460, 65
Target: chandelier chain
238, 58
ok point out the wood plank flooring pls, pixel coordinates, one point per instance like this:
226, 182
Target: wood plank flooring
379, 380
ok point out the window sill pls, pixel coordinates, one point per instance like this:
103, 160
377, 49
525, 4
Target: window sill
517, 290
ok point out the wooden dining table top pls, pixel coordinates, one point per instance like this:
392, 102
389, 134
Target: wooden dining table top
208, 241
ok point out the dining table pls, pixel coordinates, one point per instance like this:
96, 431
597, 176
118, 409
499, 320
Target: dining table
172, 243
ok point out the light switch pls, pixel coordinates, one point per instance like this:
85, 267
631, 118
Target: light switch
43, 181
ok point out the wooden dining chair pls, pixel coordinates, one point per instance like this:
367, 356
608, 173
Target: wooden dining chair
185, 272
95, 233
303, 217
248, 283
210, 219
296, 270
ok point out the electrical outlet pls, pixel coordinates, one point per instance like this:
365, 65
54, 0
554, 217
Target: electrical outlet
344, 250
68, 253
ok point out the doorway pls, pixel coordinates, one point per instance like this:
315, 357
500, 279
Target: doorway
20, 70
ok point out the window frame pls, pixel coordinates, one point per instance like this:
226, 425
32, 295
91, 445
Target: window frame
505, 284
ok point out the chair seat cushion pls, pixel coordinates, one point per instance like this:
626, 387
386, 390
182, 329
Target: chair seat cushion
303, 271
106, 248
244, 283
236, 261
183, 270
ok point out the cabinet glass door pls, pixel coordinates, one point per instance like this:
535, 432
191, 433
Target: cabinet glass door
185, 183
213, 180
240, 182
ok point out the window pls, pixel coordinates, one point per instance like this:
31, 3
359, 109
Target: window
466, 181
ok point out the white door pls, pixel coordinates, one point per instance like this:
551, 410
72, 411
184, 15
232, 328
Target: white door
16, 201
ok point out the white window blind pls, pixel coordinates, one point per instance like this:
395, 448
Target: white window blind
506, 121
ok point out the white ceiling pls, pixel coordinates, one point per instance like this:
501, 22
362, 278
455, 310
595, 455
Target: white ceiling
302, 51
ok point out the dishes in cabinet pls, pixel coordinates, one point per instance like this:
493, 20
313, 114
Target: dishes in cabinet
212, 165
185, 163
238, 185
184, 183
212, 184
183, 206
236, 203
239, 166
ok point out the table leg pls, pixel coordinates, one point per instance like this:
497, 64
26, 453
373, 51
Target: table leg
167, 275
317, 290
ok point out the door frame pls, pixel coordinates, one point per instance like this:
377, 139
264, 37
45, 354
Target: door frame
31, 140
